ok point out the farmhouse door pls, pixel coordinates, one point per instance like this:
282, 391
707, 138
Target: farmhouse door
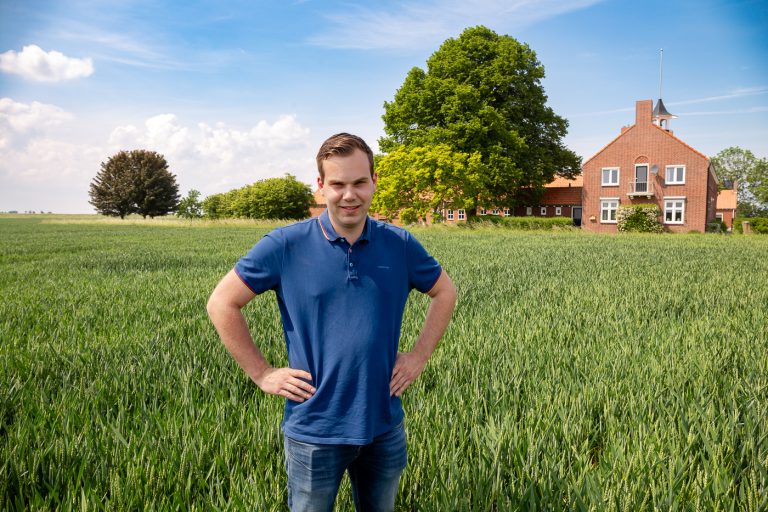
576, 214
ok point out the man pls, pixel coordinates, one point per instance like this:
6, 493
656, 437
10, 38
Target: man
342, 281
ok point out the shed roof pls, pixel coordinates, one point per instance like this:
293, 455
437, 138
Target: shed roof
726, 200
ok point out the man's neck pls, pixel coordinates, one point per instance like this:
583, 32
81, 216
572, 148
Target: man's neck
350, 235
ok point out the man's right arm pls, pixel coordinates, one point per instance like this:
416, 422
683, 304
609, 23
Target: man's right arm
225, 311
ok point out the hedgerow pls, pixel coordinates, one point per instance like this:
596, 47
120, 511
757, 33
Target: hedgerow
522, 223
759, 225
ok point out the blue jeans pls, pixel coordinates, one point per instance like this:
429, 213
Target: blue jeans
315, 472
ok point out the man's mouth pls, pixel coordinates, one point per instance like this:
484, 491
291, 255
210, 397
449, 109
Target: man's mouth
350, 208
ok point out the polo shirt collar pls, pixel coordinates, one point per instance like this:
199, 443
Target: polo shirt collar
330, 234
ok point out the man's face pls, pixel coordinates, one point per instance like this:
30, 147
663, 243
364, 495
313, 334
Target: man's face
348, 189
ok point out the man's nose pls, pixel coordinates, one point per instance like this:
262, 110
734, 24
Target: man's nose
349, 193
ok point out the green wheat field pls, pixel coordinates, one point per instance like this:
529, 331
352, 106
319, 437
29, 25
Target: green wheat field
580, 372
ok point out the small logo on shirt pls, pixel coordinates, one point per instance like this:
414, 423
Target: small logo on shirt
383, 267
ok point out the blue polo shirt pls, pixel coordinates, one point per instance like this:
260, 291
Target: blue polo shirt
342, 308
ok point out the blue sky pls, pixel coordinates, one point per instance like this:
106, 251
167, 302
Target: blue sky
233, 91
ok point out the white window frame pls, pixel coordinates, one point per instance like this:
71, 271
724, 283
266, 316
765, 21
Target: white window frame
674, 180
558, 210
482, 211
543, 211
610, 182
449, 214
606, 204
529, 210
678, 204
495, 211
720, 216
507, 212
462, 214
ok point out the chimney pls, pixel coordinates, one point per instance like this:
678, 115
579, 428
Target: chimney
643, 111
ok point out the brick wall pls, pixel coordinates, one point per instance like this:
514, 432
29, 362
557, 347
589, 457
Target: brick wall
646, 143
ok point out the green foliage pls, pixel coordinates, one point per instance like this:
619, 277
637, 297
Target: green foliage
717, 226
528, 223
758, 184
750, 174
759, 225
190, 207
408, 216
272, 198
426, 180
552, 388
482, 94
639, 218
216, 206
134, 182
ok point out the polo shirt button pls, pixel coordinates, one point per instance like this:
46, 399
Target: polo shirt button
351, 264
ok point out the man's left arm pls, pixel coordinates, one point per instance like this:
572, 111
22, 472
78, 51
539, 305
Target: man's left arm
409, 365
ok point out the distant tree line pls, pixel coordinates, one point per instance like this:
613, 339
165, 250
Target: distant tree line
272, 198
139, 182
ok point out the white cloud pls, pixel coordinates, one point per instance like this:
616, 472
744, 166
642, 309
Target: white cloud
34, 150
219, 157
22, 117
50, 161
751, 110
736, 93
164, 133
144, 49
210, 158
34, 63
407, 26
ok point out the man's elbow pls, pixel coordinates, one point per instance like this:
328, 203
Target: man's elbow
212, 306
216, 306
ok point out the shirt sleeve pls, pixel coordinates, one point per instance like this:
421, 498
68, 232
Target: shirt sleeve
260, 269
423, 269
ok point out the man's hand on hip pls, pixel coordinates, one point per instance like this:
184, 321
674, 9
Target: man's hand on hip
286, 382
408, 367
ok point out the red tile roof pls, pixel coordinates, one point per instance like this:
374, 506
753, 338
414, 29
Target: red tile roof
655, 126
681, 142
726, 200
560, 182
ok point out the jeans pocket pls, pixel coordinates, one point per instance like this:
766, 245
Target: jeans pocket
297, 452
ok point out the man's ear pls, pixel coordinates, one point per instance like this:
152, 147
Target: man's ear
319, 183
375, 179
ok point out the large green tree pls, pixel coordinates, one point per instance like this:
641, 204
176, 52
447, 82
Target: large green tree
750, 175
482, 94
272, 198
134, 182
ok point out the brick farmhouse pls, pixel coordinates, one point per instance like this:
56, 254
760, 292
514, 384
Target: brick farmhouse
645, 163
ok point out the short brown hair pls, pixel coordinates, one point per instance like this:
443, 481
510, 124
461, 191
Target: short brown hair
342, 144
